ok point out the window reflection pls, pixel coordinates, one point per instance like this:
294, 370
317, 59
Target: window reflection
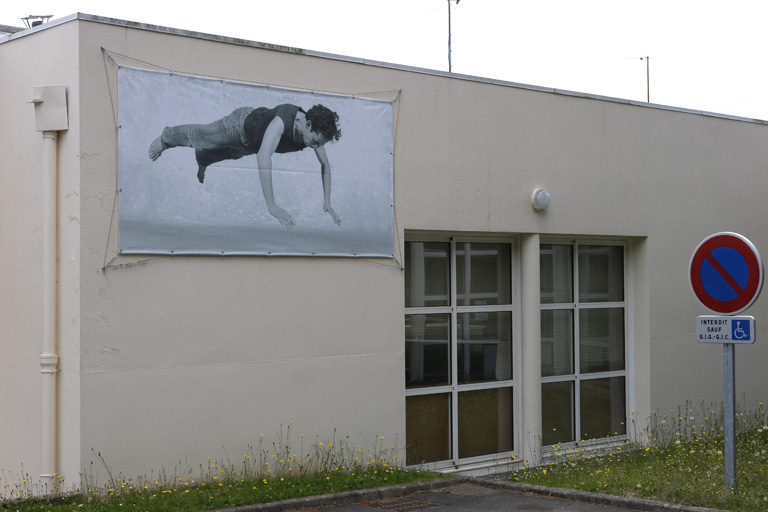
485, 422
427, 340
601, 273
485, 346
427, 282
483, 274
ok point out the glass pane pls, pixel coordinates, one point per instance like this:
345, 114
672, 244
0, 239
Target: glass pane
485, 422
427, 342
427, 428
483, 274
603, 408
601, 273
556, 269
485, 346
557, 413
427, 277
601, 340
556, 342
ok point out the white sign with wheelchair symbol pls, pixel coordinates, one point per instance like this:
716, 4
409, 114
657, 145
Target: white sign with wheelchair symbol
725, 329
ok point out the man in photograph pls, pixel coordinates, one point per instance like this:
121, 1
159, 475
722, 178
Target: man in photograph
261, 131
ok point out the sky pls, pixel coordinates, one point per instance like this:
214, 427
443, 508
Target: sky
704, 55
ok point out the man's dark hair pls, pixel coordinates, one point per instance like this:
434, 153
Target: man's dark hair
324, 121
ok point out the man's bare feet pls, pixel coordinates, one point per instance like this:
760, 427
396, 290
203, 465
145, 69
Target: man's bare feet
156, 148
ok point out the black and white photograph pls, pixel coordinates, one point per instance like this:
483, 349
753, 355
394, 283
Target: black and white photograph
210, 166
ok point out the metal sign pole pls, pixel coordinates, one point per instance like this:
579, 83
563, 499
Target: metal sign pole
729, 378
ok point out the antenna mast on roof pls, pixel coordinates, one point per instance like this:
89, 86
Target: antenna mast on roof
449, 33
647, 77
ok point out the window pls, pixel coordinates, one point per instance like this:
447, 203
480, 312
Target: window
458, 349
583, 341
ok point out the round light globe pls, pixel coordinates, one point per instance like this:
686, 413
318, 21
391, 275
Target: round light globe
540, 199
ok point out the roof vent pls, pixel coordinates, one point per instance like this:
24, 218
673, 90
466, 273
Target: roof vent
35, 20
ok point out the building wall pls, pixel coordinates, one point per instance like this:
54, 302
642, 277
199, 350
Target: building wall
49, 57
182, 356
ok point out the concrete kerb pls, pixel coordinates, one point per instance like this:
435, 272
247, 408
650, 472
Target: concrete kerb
589, 497
397, 491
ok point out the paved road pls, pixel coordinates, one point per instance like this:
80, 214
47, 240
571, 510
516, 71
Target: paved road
471, 497
465, 495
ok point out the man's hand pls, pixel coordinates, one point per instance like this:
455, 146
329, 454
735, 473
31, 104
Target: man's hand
281, 215
327, 208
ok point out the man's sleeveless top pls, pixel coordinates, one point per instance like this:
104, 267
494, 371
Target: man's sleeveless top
257, 121
254, 126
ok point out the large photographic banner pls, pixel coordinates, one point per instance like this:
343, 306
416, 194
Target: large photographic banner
209, 166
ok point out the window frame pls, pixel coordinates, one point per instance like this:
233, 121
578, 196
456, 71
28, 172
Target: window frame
454, 310
577, 376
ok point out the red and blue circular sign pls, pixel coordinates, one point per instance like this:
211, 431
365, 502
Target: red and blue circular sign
726, 273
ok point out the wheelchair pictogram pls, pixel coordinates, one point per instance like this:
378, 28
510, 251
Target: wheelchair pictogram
738, 333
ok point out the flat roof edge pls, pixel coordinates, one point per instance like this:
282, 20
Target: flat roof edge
368, 62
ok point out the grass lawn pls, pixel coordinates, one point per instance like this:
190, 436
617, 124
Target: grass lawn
191, 496
270, 472
681, 464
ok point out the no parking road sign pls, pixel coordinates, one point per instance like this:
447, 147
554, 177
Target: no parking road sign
726, 273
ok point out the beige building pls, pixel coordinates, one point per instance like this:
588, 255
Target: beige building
495, 328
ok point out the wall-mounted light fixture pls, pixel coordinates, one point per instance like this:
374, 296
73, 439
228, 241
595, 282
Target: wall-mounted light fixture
540, 199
